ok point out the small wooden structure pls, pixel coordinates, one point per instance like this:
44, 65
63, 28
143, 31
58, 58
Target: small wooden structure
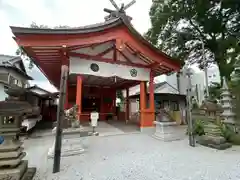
210, 109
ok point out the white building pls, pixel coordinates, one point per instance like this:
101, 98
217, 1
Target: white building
180, 85
12, 73
199, 82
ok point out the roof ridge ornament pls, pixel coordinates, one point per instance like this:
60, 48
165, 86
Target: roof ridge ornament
118, 12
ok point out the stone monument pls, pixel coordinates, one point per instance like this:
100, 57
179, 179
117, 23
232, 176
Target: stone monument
166, 128
210, 113
12, 165
226, 99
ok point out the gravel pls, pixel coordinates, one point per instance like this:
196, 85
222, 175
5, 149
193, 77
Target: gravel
135, 157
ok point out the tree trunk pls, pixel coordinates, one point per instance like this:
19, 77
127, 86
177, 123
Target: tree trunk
225, 70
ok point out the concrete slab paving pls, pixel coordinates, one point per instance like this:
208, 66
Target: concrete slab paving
136, 156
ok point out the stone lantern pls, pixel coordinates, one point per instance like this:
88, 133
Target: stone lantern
226, 99
12, 165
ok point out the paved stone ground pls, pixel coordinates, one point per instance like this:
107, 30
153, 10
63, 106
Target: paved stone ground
136, 157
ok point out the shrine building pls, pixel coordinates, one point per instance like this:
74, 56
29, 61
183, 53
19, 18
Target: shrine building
102, 59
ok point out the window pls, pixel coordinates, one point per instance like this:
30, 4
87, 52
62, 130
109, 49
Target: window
174, 106
159, 105
15, 81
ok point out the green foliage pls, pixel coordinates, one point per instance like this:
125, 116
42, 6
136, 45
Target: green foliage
229, 134
198, 128
226, 131
235, 139
236, 91
120, 95
181, 27
215, 91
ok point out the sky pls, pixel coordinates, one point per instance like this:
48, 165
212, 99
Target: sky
73, 13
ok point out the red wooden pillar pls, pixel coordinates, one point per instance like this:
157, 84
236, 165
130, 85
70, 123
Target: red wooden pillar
127, 106
147, 115
151, 92
142, 96
79, 96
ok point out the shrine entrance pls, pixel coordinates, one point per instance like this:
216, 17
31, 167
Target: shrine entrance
98, 94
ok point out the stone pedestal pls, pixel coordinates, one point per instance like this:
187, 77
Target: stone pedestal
71, 146
168, 131
213, 138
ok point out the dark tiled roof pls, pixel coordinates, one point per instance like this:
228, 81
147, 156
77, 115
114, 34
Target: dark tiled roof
47, 92
9, 62
158, 85
78, 30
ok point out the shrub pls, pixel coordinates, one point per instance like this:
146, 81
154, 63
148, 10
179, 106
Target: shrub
229, 134
235, 139
198, 128
226, 131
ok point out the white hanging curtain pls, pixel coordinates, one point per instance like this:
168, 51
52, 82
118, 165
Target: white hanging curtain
103, 69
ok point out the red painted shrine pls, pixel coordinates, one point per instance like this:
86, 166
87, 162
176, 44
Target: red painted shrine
102, 58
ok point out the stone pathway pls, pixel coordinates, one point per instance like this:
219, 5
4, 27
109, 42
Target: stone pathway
136, 156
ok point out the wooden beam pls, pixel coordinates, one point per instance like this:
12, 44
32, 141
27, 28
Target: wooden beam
137, 54
102, 59
72, 48
105, 51
150, 52
127, 59
128, 85
115, 56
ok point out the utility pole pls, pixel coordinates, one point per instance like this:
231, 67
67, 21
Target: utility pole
189, 109
60, 119
205, 63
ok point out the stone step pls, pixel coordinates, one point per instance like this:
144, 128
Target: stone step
12, 162
10, 147
14, 173
11, 154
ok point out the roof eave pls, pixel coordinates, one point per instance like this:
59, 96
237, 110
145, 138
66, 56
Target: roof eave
147, 43
81, 30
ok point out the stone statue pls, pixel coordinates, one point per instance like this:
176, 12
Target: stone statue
72, 117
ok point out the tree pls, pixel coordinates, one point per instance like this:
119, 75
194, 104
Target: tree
20, 51
236, 90
181, 27
120, 95
215, 91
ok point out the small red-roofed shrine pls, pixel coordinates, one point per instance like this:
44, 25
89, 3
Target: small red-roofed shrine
102, 58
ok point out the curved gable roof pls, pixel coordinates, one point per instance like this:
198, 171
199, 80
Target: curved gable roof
94, 28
